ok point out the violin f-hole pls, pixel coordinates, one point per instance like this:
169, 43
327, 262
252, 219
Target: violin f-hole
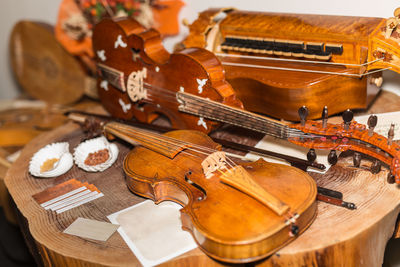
135, 54
187, 179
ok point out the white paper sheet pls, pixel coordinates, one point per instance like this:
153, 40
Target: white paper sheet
153, 232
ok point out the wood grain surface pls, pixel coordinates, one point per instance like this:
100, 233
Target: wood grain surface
337, 237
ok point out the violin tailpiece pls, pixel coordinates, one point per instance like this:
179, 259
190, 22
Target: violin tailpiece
241, 180
135, 85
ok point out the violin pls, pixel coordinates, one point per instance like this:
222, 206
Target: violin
279, 62
236, 213
139, 78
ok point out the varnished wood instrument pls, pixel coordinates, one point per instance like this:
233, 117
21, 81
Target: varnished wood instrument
235, 213
137, 77
43, 68
93, 123
279, 62
134, 69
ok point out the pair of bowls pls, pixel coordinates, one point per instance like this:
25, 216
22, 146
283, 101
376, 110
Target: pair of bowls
63, 159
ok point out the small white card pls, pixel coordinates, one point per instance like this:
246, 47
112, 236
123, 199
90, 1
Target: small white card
153, 232
92, 229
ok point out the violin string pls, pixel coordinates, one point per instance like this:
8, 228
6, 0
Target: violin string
170, 96
228, 111
225, 112
173, 100
296, 60
270, 129
165, 142
149, 137
302, 70
273, 128
145, 139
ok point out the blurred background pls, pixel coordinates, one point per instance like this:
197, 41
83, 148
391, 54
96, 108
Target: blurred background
46, 11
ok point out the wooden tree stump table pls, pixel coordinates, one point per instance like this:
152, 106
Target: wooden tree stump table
338, 237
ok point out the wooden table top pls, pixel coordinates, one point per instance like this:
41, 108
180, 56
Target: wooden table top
337, 237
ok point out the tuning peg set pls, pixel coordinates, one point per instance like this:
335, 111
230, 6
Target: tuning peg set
347, 118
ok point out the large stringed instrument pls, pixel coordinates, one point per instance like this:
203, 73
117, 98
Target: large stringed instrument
235, 212
138, 77
279, 62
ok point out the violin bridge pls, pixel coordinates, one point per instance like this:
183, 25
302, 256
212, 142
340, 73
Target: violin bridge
240, 179
135, 85
215, 161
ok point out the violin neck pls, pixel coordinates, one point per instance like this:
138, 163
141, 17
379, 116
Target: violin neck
158, 143
209, 109
213, 110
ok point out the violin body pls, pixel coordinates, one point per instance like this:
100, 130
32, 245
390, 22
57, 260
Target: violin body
288, 58
226, 224
139, 78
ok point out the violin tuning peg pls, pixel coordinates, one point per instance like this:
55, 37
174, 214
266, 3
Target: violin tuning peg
390, 178
372, 121
294, 230
324, 116
390, 134
311, 155
347, 118
356, 159
332, 157
303, 113
376, 166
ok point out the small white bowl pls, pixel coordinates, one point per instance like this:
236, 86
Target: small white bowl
58, 151
93, 145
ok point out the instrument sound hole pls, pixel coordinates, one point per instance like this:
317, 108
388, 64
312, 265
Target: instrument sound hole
203, 192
